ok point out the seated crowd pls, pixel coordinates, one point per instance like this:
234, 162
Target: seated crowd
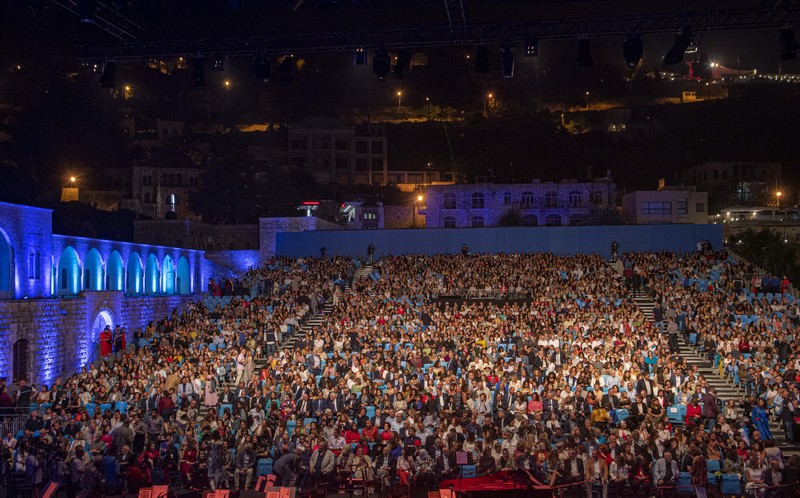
568, 382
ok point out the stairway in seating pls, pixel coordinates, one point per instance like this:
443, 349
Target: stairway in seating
309, 322
724, 388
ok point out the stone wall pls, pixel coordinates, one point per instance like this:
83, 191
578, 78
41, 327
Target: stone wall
237, 262
270, 227
60, 333
26, 235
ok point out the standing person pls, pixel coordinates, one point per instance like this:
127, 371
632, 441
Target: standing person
699, 472
760, 419
285, 468
672, 334
370, 253
210, 398
216, 461
105, 341
710, 408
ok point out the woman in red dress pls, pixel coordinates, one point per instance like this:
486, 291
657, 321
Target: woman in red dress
105, 341
188, 461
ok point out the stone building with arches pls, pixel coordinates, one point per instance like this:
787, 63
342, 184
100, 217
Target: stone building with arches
57, 292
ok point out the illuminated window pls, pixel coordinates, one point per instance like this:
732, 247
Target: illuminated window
34, 265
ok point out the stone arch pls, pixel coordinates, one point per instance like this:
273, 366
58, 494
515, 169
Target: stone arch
21, 360
135, 274
553, 220
183, 284
151, 275
104, 317
115, 272
93, 274
202, 242
6, 266
168, 275
69, 272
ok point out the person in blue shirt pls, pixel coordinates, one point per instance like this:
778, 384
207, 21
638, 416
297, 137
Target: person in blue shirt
114, 479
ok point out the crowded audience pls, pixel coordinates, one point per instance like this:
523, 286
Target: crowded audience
550, 370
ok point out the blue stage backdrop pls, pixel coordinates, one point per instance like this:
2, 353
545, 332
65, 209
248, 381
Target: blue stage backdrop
557, 240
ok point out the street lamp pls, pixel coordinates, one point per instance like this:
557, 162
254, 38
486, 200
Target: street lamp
227, 84
588, 102
399, 99
72, 179
489, 97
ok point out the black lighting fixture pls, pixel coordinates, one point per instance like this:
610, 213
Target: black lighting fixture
531, 47
381, 63
262, 70
360, 56
286, 68
37, 7
584, 57
507, 60
199, 72
403, 63
481, 59
218, 63
632, 49
789, 44
683, 42
87, 10
108, 78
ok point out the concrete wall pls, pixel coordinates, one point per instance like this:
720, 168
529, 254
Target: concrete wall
558, 240
62, 333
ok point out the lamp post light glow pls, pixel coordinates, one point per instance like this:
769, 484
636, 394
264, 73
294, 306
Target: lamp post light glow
489, 96
399, 99
72, 179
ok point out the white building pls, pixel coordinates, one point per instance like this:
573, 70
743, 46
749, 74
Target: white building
536, 204
679, 205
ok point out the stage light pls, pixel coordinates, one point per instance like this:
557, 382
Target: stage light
632, 49
199, 72
508, 60
584, 52
107, 79
789, 44
286, 68
381, 63
531, 47
481, 59
262, 70
403, 63
360, 57
682, 42
219, 63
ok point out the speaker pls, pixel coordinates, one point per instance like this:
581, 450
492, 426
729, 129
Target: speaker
252, 494
185, 493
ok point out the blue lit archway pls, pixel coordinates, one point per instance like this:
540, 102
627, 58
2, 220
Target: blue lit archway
69, 273
168, 275
151, 275
135, 275
184, 282
93, 274
115, 272
6, 266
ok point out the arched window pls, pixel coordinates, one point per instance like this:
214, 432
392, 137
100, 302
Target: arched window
69, 268
21, 352
93, 278
477, 222
530, 220
171, 180
449, 222
575, 219
575, 199
172, 202
478, 201
551, 199
527, 199
552, 220
449, 200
